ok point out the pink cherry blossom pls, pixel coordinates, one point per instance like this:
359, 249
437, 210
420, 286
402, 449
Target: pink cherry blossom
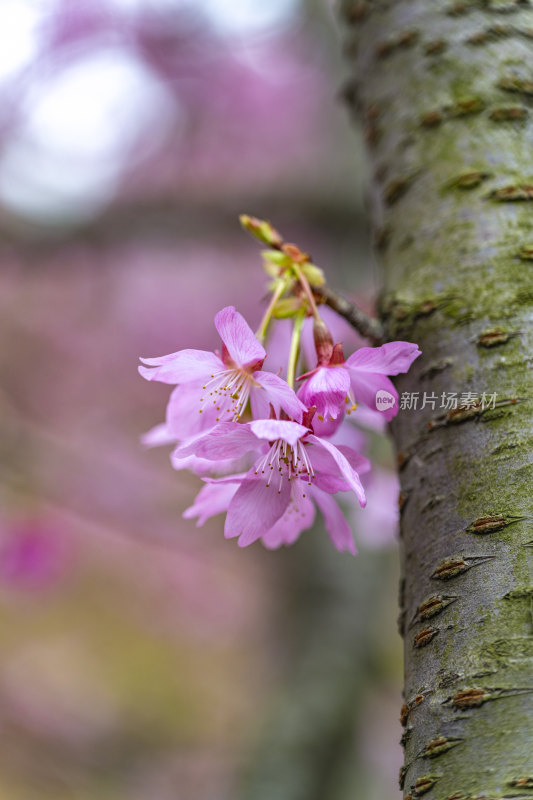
163, 434
370, 366
216, 496
279, 340
327, 386
336, 382
215, 387
378, 526
295, 465
213, 498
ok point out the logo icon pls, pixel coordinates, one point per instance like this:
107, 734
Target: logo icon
384, 400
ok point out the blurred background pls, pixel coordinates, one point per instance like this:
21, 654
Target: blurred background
143, 657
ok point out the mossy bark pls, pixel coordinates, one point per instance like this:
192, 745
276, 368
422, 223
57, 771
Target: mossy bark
445, 90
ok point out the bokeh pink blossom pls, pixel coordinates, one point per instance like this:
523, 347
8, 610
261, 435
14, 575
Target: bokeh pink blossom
141, 655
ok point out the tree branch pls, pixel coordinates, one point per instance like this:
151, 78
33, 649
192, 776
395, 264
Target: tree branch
367, 326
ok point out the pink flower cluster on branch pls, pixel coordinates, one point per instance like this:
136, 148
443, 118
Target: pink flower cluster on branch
268, 455
216, 387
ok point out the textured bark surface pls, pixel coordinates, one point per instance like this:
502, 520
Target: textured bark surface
445, 90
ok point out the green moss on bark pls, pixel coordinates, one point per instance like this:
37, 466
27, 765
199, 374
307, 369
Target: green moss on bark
456, 283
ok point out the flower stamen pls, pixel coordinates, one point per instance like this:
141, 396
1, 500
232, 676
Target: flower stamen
229, 391
291, 461
350, 402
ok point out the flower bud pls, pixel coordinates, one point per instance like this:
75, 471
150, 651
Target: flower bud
294, 253
262, 230
314, 274
275, 262
287, 307
337, 356
323, 341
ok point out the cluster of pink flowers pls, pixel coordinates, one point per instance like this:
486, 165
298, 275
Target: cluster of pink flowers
269, 454
277, 450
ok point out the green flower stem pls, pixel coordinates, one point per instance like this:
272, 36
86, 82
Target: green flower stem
295, 347
307, 290
267, 316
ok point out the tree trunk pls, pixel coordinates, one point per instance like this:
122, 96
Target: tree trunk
445, 89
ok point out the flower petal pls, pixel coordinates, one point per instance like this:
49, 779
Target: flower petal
327, 476
327, 427
158, 435
349, 435
369, 419
213, 498
278, 347
259, 403
338, 529
183, 418
225, 440
203, 466
366, 385
298, 517
235, 478
255, 508
389, 359
326, 472
278, 393
340, 465
326, 389
181, 367
191, 409
239, 338
377, 525
272, 429
358, 462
